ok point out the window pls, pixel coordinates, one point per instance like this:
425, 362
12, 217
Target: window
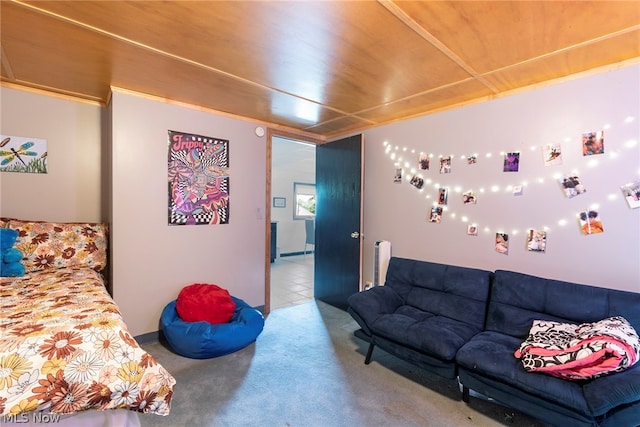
305, 200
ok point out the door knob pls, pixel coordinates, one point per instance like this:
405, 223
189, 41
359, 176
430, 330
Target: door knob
355, 235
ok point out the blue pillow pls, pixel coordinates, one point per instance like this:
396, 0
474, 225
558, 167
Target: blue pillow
14, 269
10, 257
8, 237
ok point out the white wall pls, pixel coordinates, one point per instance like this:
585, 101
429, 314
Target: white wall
153, 261
522, 122
70, 191
292, 162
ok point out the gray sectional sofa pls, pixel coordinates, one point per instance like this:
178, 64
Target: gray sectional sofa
467, 323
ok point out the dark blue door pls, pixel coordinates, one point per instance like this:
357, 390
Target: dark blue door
338, 220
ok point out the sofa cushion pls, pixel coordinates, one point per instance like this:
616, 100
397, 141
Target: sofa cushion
459, 293
491, 354
434, 335
605, 393
518, 299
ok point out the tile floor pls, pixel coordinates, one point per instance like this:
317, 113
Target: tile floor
291, 280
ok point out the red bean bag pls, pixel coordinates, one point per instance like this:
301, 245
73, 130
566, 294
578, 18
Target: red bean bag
204, 302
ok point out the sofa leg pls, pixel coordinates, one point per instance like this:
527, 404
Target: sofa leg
465, 394
367, 359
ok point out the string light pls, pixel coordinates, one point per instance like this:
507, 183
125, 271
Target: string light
591, 163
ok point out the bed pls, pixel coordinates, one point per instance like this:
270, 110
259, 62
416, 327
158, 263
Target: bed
65, 351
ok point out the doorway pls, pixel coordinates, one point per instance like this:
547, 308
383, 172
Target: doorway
337, 262
292, 208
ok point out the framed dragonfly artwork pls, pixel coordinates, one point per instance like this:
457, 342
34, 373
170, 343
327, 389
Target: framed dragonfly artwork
22, 154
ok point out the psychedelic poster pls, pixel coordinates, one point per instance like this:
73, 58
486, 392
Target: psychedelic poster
198, 179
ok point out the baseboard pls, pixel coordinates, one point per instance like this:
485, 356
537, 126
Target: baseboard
150, 337
295, 254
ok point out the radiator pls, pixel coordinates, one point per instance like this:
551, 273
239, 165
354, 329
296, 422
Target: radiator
381, 256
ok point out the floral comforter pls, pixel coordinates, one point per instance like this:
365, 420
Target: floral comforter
65, 348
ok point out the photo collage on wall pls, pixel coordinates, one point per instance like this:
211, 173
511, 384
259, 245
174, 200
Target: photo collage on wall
591, 143
197, 179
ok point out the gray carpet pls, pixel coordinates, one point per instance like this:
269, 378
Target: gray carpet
307, 369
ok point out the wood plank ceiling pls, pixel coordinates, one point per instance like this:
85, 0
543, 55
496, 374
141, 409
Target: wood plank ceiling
319, 68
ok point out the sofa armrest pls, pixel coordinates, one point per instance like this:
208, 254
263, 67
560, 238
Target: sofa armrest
365, 307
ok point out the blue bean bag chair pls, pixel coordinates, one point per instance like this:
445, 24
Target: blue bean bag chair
204, 340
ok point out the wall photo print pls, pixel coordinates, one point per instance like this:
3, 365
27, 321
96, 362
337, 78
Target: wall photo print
423, 161
631, 193
552, 154
21, 154
397, 178
469, 198
590, 222
198, 179
443, 196
536, 240
572, 186
502, 243
511, 162
435, 215
417, 182
592, 143
445, 164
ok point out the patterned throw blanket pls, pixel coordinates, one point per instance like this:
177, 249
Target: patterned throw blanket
579, 352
